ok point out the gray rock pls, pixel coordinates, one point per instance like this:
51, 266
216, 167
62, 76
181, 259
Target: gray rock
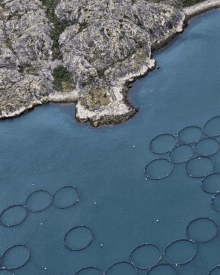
108, 45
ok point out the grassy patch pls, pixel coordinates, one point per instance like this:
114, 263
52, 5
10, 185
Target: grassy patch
126, 17
21, 67
82, 26
95, 99
188, 3
59, 26
63, 81
100, 73
32, 70
88, 82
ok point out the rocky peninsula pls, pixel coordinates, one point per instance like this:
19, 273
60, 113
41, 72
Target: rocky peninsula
88, 52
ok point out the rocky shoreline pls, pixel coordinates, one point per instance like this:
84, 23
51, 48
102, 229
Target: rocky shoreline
200, 8
104, 49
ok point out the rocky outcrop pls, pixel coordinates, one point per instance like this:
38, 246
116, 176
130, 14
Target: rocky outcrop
107, 45
200, 8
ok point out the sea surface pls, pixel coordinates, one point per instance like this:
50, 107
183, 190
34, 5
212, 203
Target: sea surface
46, 149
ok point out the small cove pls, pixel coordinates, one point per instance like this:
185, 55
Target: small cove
47, 148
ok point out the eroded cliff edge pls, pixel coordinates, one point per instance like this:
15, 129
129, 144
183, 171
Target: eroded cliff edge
87, 52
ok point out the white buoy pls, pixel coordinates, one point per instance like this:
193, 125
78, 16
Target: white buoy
41, 223
133, 146
101, 244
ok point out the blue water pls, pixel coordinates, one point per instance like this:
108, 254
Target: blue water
47, 149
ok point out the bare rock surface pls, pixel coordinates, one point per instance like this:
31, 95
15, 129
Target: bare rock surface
200, 8
108, 45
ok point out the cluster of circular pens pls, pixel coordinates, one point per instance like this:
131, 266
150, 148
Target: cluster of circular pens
169, 266
165, 262
196, 149
51, 200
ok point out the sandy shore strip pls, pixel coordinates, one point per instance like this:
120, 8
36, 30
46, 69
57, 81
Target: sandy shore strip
200, 8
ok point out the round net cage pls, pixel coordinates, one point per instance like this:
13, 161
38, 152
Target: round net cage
211, 183
145, 256
162, 144
163, 269
121, 268
215, 270
180, 252
215, 202
199, 167
190, 134
16, 256
38, 201
212, 127
181, 153
78, 238
66, 197
202, 230
90, 270
207, 146
13, 215
158, 169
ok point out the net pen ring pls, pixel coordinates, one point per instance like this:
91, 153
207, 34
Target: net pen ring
158, 153
210, 174
148, 177
198, 157
89, 267
70, 204
23, 245
206, 125
41, 190
14, 205
161, 264
75, 227
146, 244
179, 145
188, 127
122, 262
205, 139
202, 218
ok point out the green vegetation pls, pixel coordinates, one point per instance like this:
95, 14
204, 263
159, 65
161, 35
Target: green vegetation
9, 17
21, 67
62, 78
83, 26
63, 81
59, 26
126, 17
88, 82
100, 73
108, 32
132, 52
188, 3
94, 99
139, 22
